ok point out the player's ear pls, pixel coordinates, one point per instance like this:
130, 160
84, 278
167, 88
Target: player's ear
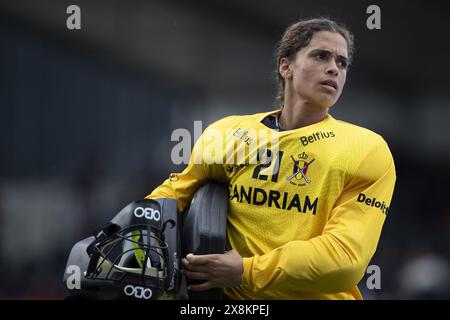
285, 68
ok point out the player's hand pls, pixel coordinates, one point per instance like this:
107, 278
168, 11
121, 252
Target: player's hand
219, 270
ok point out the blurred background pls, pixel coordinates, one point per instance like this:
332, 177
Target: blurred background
87, 115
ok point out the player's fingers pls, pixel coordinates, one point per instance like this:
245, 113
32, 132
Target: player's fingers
201, 287
200, 259
196, 275
194, 267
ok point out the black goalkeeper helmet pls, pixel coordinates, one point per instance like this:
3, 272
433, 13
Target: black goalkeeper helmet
135, 256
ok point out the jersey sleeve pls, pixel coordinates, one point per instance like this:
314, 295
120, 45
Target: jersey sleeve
201, 167
336, 260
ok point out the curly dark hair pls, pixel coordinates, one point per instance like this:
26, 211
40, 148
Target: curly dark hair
298, 36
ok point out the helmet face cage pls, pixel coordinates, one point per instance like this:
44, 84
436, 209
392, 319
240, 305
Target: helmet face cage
136, 256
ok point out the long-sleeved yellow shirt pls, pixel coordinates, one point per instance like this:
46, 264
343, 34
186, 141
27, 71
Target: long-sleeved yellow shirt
306, 206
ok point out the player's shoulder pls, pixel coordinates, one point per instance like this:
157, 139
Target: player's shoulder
359, 133
239, 120
363, 141
364, 149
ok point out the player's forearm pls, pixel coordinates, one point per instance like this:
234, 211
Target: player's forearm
321, 264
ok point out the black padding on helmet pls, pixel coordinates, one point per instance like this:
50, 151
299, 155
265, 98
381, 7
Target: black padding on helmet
204, 229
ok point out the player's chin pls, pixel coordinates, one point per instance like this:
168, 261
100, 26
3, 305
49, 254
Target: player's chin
326, 100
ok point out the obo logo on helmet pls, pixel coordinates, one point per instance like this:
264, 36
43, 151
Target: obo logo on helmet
147, 213
138, 292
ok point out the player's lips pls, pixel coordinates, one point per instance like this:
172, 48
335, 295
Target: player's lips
330, 84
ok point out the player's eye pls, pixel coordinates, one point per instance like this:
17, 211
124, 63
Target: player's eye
342, 64
321, 55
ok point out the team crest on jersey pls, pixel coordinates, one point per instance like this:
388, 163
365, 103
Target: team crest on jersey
299, 176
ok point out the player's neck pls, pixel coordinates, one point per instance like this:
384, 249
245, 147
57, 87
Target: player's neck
300, 114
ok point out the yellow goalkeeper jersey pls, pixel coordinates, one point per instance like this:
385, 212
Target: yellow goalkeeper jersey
306, 206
